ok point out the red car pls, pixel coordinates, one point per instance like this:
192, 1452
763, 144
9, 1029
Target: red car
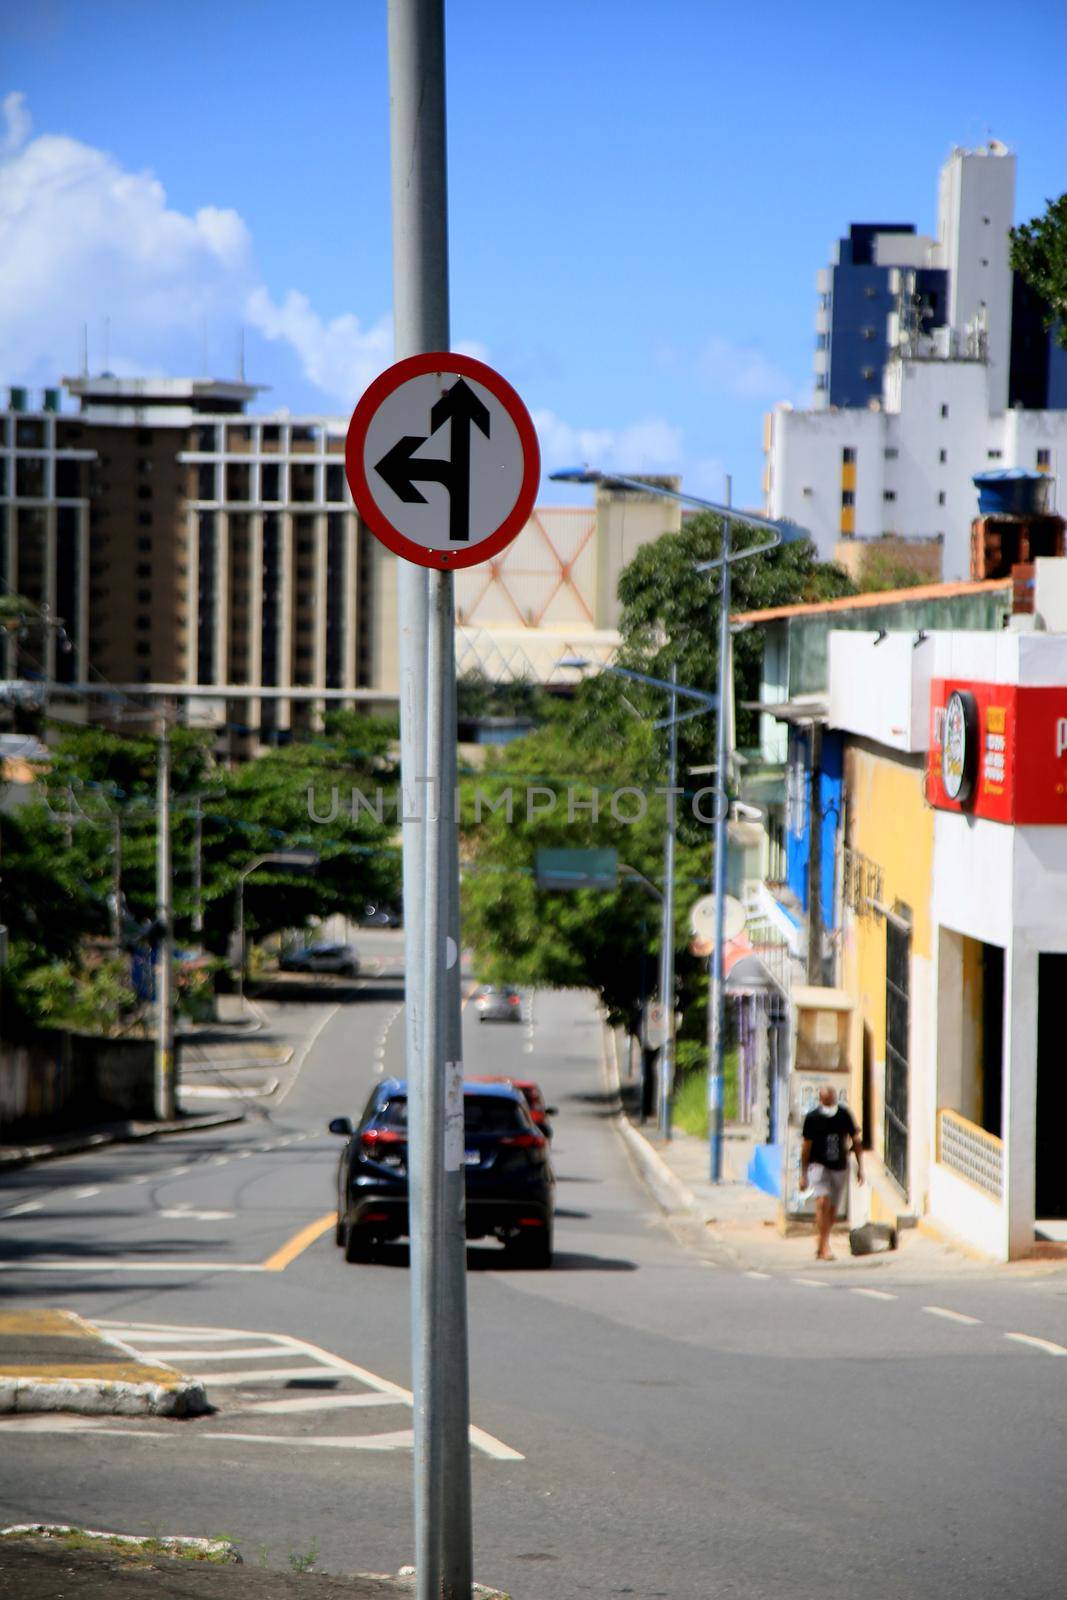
531, 1093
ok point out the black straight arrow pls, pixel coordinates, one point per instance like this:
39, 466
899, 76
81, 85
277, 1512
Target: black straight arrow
401, 470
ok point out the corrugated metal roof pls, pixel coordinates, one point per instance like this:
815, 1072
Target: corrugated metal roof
877, 597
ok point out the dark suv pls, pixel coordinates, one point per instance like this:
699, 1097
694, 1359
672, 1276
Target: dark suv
509, 1180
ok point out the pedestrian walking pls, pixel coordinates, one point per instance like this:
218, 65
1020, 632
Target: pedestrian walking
828, 1134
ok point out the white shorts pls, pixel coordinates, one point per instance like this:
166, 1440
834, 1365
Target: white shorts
828, 1183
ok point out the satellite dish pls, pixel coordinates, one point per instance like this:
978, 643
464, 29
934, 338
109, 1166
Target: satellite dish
702, 918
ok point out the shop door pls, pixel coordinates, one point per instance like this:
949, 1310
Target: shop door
897, 966
1050, 1195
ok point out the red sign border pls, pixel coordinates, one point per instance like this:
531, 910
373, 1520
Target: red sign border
383, 386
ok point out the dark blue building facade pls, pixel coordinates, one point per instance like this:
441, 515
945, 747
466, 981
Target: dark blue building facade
860, 302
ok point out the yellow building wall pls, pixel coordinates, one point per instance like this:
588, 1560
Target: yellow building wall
891, 825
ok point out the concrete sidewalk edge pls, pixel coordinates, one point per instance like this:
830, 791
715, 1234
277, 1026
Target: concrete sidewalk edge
213, 1549
63, 1362
668, 1190
12, 1156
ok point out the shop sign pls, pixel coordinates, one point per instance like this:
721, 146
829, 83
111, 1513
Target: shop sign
999, 750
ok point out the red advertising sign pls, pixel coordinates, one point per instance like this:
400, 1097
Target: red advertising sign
999, 750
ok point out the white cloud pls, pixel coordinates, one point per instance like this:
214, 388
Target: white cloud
17, 122
339, 357
742, 370
652, 445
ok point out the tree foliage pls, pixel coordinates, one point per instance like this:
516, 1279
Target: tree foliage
1039, 254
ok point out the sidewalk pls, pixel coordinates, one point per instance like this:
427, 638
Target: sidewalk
56, 1361
739, 1224
38, 1563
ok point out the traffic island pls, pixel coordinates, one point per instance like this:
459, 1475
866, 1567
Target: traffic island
40, 1561
56, 1361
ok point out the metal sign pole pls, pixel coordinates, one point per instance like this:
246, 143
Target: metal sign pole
717, 1010
439, 1311
666, 982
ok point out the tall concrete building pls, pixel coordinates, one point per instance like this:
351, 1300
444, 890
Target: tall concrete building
187, 547
932, 363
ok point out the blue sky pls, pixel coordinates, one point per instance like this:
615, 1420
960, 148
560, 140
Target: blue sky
640, 195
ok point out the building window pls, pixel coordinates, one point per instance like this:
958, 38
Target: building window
848, 455
870, 374
821, 381
144, 597
1044, 458
870, 333
144, 491
143, 647
29, 477
944, 410
29, 434
942, 456
941, 497
270, 479
144, 519
897, 1020
144, 569
985, 262
205, 438
870, 291
205, 481
889, 494
144, 624
994, 455
68, 480
848, 497
891, 452
144, 543
822, 341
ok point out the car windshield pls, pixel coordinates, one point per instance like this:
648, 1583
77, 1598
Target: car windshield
492, 1114
394, 1114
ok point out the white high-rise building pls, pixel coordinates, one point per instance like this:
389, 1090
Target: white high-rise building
932, 364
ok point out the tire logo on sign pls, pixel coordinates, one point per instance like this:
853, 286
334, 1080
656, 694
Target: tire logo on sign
959, 746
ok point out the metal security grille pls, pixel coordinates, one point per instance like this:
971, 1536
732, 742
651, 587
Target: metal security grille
897, 964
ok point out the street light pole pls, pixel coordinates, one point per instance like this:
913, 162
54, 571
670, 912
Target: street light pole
164, 1064
666, 959
717, 1009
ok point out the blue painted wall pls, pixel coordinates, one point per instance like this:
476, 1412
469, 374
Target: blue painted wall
861, 300
798, 817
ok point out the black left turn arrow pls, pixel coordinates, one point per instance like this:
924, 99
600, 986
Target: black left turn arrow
402, 470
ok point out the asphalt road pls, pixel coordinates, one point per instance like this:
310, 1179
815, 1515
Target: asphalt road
650, 1422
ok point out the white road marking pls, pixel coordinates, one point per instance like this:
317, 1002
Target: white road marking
874, 1294
1046, 1345
85, 1194
812, 1283
754, 1274
169, 1330
187, 1214
174, 1172
952, 1316
145, 1177
242, 1155
248, 1353
323, 1402
256, 1374
24, 1209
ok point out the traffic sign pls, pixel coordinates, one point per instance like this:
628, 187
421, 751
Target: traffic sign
442, 460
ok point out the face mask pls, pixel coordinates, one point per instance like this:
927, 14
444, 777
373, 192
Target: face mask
827, 1111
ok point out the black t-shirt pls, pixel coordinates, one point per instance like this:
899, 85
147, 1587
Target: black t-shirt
829, 1135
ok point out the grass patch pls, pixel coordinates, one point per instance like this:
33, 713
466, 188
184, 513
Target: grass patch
689, 1111
124, 1544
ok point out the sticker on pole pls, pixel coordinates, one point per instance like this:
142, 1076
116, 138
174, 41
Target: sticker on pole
442, 460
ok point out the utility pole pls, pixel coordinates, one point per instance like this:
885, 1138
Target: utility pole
164, 1073
443, 1557
717, 1009
666, 955
116, 877
815, 973
198, 864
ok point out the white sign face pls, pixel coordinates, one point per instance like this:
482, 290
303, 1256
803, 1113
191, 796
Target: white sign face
702, 918
442, 460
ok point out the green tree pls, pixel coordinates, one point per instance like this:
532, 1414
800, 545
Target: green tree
1039, 254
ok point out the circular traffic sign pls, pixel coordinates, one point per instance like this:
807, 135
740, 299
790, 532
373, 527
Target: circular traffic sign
702, 918
442, 460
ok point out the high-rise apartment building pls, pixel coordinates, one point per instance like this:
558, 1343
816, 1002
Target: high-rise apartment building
176, 543
932, 363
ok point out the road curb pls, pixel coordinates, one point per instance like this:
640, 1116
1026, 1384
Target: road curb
213, 1549
119, 1133
61, 1362
668, 1190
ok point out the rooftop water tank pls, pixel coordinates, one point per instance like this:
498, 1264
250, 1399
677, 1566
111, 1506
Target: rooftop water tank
1012, 492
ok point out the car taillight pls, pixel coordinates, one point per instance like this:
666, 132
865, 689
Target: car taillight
513, 1000
374, 1138
524, 1141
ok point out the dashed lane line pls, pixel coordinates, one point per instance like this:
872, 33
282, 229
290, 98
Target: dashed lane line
25, 1208
752, 1273
873, 1294
812, 1283
85, 1194
1046, 1345
952, 1316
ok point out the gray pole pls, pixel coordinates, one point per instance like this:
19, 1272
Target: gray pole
116, 877
666, 956
241, 944
164, 1074
198, 865
717, 1010
439, 1312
